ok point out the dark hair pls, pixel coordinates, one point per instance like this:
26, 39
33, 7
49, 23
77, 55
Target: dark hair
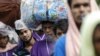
18, 31
69, 2
4, 36
45, 22
61, 24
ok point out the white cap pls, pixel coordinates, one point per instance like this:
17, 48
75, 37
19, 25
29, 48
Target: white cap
2, 25
19, 24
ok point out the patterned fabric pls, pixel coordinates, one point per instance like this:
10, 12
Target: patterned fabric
49, 10
41, 10
9, 31
26, 12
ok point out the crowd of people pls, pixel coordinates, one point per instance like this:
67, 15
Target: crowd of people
50, 28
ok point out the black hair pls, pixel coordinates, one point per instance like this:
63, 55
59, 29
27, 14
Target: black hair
18, 31
69, 2
62, 24
45, 22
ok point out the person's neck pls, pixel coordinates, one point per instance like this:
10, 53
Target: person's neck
78, 26
29, 45
32, 41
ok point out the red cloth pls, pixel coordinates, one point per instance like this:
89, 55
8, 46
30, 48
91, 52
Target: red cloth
9, 11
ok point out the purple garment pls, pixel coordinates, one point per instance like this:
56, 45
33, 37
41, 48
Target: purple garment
8, 53
42, 48
38, 37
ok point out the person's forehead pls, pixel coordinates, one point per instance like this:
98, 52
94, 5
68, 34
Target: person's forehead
24, 29
47, 24
80, 1
2, 37
59, 29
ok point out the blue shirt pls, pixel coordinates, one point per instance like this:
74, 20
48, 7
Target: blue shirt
59, 49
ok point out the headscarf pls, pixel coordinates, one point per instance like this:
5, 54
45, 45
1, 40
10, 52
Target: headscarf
73, 34
88, 27
6, 30
41, 10
9, 11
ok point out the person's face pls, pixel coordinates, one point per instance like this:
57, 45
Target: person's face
79, 9
3, 41
96, 41
48, 28
25, 34
59, 32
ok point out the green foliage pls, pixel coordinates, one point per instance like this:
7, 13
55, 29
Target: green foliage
98, 2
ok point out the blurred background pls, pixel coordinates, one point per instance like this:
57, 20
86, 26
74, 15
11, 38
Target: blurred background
98, 1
